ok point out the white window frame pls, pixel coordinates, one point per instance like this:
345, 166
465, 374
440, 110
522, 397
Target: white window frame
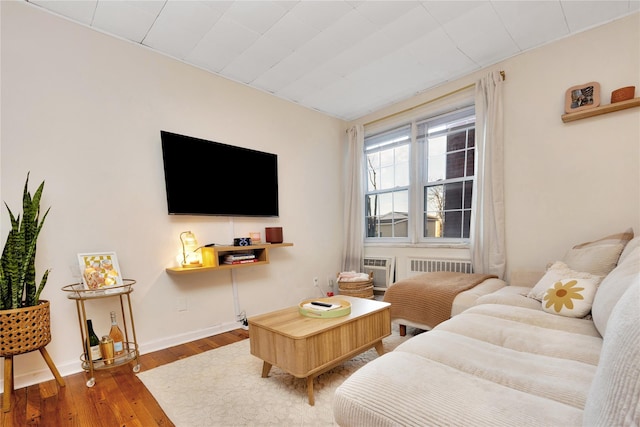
417, 176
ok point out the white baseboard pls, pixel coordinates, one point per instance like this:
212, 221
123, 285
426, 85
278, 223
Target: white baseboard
71, 367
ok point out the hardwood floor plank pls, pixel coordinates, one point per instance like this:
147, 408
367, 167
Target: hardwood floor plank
118, 397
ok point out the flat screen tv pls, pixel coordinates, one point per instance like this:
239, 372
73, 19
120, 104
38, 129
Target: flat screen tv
209, 178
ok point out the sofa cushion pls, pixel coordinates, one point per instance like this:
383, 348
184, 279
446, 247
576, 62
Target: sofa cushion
614, 396
633, 243
570, 297
613, 287
558, 271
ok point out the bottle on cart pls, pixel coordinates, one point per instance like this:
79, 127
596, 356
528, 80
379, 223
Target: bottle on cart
116, 335
94, 342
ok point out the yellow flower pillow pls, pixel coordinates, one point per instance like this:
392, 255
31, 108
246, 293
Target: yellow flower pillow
570, 297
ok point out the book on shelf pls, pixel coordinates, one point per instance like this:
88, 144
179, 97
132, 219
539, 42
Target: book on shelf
239, 256
240, 261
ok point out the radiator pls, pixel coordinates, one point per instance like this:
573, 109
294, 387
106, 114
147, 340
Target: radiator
427, 265
383, 269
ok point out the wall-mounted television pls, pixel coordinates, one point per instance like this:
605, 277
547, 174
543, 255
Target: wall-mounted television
210, 178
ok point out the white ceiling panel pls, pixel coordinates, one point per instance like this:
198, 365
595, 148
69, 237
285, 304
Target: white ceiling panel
77, 11
345, 58
180, 26
257, 59
532, 23
586, 14
129, 19
221, 45
291, 32
258, 16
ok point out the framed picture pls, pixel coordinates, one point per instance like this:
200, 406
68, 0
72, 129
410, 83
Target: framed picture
582, 97
100, 270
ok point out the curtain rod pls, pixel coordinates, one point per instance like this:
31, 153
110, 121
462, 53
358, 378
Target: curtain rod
415, 107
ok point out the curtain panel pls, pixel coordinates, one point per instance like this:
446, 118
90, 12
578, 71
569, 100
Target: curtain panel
487, 229
352, 257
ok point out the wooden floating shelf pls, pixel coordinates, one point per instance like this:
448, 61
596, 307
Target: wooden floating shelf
603, 109
212, 258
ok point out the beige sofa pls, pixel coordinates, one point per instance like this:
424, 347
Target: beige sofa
513, 360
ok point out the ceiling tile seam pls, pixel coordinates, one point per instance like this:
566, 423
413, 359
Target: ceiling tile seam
564, 18
504, 26
93, 15
152, 24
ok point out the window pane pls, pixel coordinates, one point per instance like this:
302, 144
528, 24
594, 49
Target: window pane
433, 224
436, 168
468, 193
373, 171
386, 178
434, 198
452, 224
466, 225
455, 165
457, 141
471, 161
472, 138
453, 196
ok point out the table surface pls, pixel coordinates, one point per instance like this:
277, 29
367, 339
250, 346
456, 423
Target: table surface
289, 322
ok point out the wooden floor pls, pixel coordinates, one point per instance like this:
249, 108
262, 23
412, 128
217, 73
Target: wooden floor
118, 398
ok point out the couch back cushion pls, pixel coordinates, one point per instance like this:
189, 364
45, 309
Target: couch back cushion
614, 396
612, 287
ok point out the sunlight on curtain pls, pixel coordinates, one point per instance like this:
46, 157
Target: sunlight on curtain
353, 202
487, 229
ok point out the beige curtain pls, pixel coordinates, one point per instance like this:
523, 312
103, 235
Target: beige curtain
487, 229
353, 201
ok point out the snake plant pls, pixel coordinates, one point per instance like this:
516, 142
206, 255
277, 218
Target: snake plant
17, 265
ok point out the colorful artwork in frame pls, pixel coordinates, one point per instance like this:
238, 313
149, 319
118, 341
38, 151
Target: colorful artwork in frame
100, 270
582, 97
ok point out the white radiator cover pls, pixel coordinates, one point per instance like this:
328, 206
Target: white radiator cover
427, 265
383, 269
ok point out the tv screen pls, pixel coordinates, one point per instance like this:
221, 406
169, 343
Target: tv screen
209, 178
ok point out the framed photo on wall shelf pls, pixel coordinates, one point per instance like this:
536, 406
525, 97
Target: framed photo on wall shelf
582, 97
100, 270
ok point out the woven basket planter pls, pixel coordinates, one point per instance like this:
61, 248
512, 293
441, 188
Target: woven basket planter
25, 329
362, 289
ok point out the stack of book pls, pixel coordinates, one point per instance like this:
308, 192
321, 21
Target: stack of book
239, 258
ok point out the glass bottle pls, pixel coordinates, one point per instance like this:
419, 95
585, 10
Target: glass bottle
116, 335
94, 342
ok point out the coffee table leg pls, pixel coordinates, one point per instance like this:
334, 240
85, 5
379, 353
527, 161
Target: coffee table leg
312, 400
266, 367
379, 348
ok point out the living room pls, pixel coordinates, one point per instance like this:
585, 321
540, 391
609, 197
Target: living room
83, 112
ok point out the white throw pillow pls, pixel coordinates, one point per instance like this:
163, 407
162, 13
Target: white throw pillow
557, 272
612, 287
570, 297
598, 259
633, 243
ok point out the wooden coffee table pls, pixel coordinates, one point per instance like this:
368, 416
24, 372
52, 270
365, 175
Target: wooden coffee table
306, 347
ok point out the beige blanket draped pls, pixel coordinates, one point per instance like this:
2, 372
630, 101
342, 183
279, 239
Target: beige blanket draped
427, 298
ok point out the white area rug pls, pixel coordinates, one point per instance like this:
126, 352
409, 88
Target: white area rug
224, 387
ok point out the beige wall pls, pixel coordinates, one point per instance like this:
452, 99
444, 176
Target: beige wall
564, 183
84, 111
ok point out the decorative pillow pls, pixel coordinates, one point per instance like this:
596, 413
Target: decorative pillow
633, 243
619, 238
558, 271
596, 259
613, 287
570, 297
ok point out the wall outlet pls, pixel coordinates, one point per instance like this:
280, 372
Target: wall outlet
315, 282
181, 304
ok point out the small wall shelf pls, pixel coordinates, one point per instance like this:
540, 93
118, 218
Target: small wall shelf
603, 109
213, 257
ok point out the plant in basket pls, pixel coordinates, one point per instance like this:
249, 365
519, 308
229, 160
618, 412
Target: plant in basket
25, 320
17, 266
